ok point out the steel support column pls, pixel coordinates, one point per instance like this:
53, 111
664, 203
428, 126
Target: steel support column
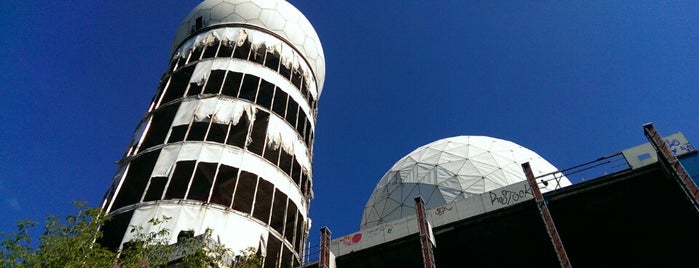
324, 261
425, 232
546, 215
670, 161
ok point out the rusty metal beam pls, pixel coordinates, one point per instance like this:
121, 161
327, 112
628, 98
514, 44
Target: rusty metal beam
425, 239
546, 216
324, 261
670, 161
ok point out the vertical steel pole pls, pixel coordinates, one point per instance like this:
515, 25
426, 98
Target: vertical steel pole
546, 215
425, 243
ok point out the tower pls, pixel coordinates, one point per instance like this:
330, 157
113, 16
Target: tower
227, 141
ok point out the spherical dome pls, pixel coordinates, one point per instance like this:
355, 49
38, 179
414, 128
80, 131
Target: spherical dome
276, 16
449, 170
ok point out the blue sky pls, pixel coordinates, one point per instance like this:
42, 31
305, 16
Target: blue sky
571, 80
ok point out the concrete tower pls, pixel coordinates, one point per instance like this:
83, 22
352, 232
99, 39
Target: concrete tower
227, 140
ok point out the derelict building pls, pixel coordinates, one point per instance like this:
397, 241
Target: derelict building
227, 140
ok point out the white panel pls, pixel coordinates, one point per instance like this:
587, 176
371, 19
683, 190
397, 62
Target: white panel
185, 112
507, 196
201, 72
166, 160
279, 133
235, 231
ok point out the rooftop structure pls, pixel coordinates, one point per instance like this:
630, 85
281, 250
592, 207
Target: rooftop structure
637, 211
227, 141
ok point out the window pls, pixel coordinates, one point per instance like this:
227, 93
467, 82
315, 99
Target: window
263, 200
180, 179
224, 186
231, 84
155, 189
259, 132
245, 192
137, 177
202, 181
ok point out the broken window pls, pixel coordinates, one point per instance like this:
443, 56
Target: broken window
265, 94
304, 89
272, 154
279, 105
285, 71
301, 124
259, 132
136, 178
217, 133
272, 60
274, 247
197, 131
292, 111
287, 258
263, 200
195, 88
213, 84
177, 133
289, 230
196, 53
304, 183
231, 84
285, 160
114, 229
296, 78
258, 55
226, 50
296, 173
178, 84
299, 231
155, 189
242, 52
202, 181
278, 211
238, 133
159, 126
245, 192
210, 49
249, 88
179, 180
224, 186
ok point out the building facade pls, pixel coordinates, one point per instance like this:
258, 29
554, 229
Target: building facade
227, 141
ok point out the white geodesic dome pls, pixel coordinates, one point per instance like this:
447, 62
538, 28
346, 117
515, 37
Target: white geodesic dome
449, 170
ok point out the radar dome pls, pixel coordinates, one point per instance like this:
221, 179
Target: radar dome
449, 170
276, 16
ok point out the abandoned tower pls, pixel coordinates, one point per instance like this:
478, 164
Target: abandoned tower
227, 140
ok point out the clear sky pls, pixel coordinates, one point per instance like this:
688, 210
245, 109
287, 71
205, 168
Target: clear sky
571, 80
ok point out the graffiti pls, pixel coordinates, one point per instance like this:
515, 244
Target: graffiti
441, 210
507, 197
676, 146
351, 239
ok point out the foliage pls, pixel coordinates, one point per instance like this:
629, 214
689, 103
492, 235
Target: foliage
64, 243
249, 259
70, 242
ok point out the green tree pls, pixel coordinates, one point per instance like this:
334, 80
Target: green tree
71, 242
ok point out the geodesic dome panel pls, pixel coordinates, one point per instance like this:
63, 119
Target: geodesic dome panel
276, 16
449, 170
